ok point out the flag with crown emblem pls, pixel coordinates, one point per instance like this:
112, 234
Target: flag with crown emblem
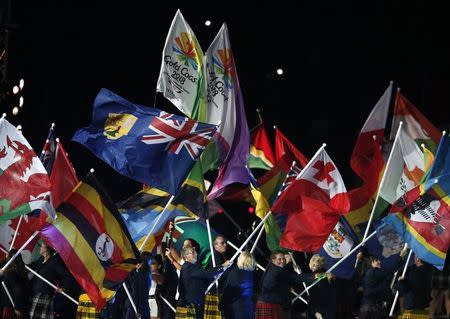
146, 144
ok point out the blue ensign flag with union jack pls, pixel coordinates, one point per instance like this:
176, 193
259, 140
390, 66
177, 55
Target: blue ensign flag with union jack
146, 144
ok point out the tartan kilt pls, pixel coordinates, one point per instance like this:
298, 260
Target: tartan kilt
211, 310
185, 312
265, 310
41, 306
415, 314
86, 310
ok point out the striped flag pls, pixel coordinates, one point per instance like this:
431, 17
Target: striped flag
92, 240
261, 152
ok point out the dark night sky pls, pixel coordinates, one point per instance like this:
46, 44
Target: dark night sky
338, 58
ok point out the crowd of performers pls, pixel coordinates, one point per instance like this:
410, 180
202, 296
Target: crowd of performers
178, 285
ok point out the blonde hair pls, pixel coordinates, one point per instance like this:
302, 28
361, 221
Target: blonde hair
317, 262
246, 261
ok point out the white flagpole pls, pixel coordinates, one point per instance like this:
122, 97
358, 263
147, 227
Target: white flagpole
50, 284
131, 300
256, 240
168, 303
403, 275
261, 223
337, 264
264, 269
294, 262
9, 294
213, 257
20, 249
397, 136
16, 232
155, 223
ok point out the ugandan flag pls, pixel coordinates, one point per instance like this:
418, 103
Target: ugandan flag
92, 240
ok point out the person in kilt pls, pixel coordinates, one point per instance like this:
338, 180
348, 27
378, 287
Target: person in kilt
274, 298
377, 294
192, 285
86, 308
49, 267
415, 288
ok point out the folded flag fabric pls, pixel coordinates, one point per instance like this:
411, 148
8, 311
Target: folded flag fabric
92, 240
146, 144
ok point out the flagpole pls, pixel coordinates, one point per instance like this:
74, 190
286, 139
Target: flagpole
264, 269
335, 265
155, 223
19, 251
16, 232
295, 269
213, 257
8, 294
278, 195
397, 136
50, 284
240, 249
168, 303
403, 275
131, 299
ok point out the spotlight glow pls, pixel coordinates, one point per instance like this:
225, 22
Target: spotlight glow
21, 101
207, 23
21, 83
15, 89
15, 110
280, 71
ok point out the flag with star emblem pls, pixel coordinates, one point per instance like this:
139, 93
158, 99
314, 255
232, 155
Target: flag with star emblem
314, 202
146, 144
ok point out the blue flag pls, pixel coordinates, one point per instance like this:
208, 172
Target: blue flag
339, 243
146, 144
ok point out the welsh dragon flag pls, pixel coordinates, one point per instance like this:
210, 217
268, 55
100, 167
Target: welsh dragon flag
181, 78
25, 185
226, 106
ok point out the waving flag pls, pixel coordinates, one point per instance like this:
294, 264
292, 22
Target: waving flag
146, 144
92, 240
25, 185
367, 162
285, 149
261, 152
226, 106
416, 125
422, 219
48, 152
181, 78
338, 244
314, 201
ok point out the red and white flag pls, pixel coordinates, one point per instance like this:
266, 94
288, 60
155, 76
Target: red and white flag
314, 202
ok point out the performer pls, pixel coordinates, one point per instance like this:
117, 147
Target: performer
193, 283
274, 299
237, 300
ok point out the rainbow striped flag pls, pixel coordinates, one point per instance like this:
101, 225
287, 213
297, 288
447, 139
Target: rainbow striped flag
93, 242
421, 217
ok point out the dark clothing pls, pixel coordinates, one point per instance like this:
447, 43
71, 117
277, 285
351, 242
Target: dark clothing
237, 300
19, 288
53, 271
277, 282
322, 299
416, 288
138, 280
194, 281
168, 289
